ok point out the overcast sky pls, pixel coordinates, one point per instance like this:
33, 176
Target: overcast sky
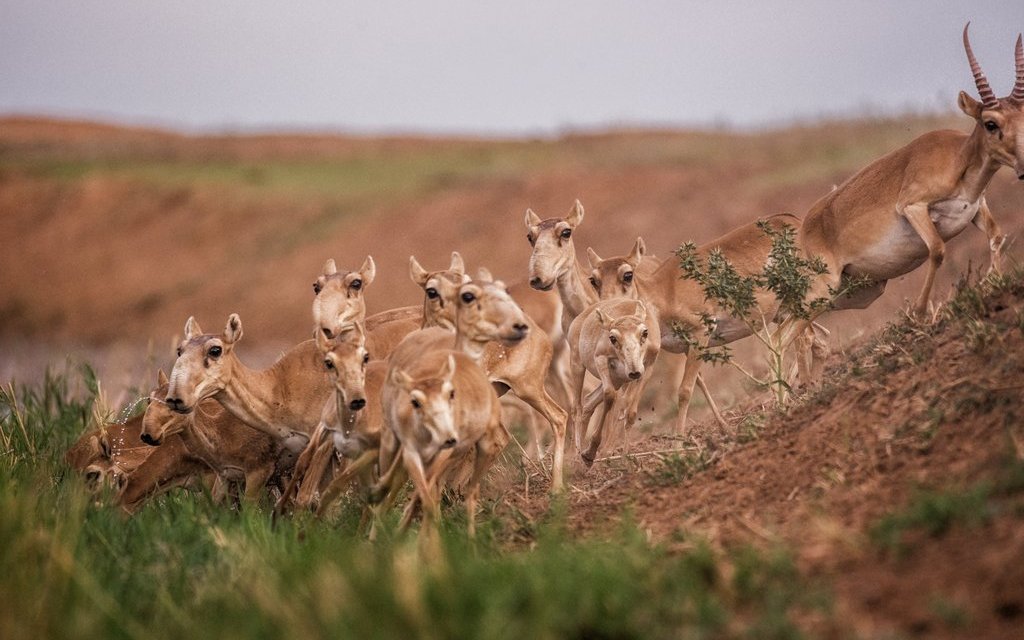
517, 66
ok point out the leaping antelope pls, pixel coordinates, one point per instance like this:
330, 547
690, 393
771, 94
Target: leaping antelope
900, 210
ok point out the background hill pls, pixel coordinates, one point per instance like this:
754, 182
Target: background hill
113, 236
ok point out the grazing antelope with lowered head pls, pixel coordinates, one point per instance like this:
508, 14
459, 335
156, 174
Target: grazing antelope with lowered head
617, 341
899, 211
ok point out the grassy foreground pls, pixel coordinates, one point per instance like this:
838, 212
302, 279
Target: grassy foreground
72, 565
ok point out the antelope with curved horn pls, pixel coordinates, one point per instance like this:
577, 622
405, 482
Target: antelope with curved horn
617, 341
899, 211
491, 328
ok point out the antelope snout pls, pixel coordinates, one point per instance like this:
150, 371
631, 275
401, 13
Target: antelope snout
539, 284
150, 440
449, 443
177, 405
635, 375
357, 404
327, 332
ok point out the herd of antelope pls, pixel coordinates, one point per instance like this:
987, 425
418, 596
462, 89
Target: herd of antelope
413, 394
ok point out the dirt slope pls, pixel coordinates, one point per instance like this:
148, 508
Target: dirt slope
900, 483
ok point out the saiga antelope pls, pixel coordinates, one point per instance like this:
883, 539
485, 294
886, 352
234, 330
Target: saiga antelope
617, 341
900, 210
505, 341
553, 263
679, 303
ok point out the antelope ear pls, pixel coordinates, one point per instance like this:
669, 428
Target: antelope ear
575, 216
104, 442
192, 328
322, 343
368, 270
593, 258
330, 268
418, 274
641, 310
637, 254
401, 378
483, 275
233, 329
457, 265
532, 219
448, 369
603, 318
969, 105
161, 378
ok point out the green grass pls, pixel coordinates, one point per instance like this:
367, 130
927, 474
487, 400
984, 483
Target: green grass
73, 566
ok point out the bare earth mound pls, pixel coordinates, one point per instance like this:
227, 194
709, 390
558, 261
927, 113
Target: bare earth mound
900, 482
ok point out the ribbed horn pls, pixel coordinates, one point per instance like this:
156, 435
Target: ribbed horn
1018, 85
988, 99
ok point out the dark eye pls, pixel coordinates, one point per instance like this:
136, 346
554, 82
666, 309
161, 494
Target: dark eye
627, 277
451, 395
613, 340
644, 334
214, 352
366, 358
415, 403
566, 234
529, 238
468, 297
328, 364
179, 352
991, 126
317, 287
431, 293
357, 284
594, 282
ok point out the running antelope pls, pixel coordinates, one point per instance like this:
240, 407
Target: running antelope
617, 341
284, 400
900, 210
445, 414
553, 263
237, 453
492, 329
679, 303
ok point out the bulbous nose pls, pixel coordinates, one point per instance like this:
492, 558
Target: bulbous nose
327, 333
521, 329
177, 405
634, 375
535, 282
150, 440
357, 404
449, 443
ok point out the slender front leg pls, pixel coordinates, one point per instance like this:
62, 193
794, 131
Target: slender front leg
996, 238
711, 401
608, 393
340, 482
577, 373
690, 373
917, 215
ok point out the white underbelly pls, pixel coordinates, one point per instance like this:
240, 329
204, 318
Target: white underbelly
902, 249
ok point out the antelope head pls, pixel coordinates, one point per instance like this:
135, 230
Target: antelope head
160, 420
425, 408
345, 358
486, 312
440, 289
614, 277
204, 366
339, 296
553, 251
627, 336
1001, 120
